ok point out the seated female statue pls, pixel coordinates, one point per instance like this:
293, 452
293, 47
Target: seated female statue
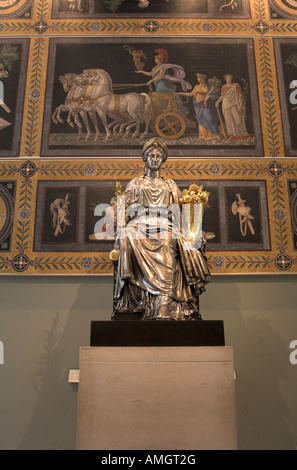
160, 273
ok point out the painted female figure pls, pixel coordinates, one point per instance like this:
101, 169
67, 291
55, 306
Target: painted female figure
165, 82
233, 108
204, 106
160, 274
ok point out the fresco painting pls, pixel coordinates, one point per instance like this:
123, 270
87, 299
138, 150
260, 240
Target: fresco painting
193, 94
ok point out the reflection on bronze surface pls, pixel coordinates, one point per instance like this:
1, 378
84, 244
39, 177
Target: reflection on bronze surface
159, 273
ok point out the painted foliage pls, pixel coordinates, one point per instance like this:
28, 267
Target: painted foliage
250, 225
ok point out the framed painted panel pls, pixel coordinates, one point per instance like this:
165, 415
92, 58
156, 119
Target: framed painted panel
237, 219
106, 96
286, 59
77, 202
16, 9
13, 67
150, 8
283, 9
75, 230
250, 225
7, 201
292, 188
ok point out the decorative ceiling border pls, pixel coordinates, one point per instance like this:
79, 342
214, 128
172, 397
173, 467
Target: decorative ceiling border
26, 174
41, 23
266, 82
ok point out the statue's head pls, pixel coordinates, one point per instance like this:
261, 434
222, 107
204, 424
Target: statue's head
155, 146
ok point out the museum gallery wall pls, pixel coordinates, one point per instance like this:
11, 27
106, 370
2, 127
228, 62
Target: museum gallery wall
63, 147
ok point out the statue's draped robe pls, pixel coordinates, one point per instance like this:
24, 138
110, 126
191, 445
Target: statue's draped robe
159, 272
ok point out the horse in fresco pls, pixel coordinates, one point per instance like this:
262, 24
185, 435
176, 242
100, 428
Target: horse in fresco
129, 110
75, 86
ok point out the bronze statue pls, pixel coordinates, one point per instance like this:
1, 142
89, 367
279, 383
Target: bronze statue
160, 273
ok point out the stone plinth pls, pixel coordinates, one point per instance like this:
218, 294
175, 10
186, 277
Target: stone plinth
156, 398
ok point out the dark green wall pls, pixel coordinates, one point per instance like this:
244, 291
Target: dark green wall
45, 320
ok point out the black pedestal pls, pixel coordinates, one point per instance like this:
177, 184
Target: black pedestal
157, 333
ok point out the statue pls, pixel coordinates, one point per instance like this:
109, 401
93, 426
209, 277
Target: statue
160, 272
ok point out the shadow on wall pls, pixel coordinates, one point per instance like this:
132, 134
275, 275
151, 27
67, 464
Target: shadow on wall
253, 327
53, 421
264, 363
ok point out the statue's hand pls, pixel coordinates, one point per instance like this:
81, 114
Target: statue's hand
116, 244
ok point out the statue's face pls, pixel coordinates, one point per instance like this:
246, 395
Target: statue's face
155, 159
